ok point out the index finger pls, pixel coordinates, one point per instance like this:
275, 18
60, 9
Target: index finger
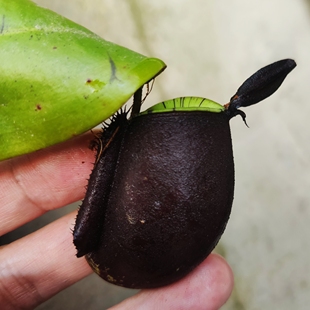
33, 184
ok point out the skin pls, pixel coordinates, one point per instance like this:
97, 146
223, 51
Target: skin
40, 265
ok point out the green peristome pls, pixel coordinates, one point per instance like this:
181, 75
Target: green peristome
186, 104
58, 79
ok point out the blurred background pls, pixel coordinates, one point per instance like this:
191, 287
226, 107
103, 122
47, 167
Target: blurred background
210, 48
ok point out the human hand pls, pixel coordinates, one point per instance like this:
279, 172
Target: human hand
40, 265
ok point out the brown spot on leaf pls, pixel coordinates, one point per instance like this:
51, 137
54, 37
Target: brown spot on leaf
38, 107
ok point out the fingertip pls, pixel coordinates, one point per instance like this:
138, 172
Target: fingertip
220, 278
207, 287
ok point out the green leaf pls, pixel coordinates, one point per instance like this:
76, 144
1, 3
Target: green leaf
58, 79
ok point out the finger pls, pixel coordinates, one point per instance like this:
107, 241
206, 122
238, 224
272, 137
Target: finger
38, 266
207, 288
48, 179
